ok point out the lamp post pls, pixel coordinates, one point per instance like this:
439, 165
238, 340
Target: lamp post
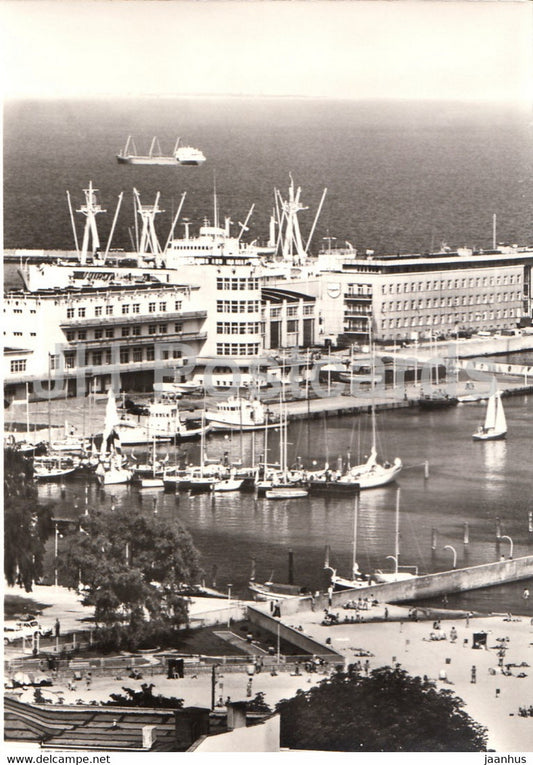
449, 547
510, 545
229, 604
56, 550
213, 684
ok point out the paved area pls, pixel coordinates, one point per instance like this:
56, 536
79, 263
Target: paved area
492, 700
384, 638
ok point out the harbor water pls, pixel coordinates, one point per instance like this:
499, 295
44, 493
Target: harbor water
473, 483
401, 177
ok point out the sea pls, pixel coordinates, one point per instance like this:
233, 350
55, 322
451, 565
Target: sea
401, 177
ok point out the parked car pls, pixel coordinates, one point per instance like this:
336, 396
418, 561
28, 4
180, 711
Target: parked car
24, 629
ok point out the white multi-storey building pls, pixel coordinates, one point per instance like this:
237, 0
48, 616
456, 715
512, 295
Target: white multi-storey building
414, 296
72, 335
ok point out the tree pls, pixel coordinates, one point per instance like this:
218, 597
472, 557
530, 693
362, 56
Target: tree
27, 525
388, 711
132, 564
144, 698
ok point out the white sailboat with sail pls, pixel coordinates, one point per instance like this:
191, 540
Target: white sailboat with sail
110, 469
495, 425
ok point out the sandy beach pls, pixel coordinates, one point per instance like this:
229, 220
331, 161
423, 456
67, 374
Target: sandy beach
492, 700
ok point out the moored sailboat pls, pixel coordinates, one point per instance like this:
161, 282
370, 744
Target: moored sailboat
111, 469
400, 573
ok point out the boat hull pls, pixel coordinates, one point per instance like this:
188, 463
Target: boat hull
288, 493
229, 484
53, 475
140, 160
489, 436
428, 404
333, 488
114, 477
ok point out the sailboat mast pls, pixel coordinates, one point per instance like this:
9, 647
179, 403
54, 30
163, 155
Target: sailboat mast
397, 534
373, 411
355, 568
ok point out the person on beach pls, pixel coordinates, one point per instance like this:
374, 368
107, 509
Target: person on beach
473, 673
453, 635
57, 628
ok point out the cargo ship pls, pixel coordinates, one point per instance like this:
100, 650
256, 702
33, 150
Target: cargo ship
181, 155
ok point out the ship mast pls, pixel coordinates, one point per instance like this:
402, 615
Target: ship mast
90, 209
149, 241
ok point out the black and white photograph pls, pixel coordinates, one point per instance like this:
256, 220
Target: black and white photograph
268, 377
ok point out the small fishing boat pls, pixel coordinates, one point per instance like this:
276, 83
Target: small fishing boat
495, 425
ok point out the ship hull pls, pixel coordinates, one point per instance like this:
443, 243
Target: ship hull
139, 160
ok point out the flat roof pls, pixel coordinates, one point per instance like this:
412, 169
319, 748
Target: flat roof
278, 295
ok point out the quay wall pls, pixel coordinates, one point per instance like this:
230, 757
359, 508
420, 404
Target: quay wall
427, 586
517, 370
292, 635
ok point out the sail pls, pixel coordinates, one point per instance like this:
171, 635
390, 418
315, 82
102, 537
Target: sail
490, 417
500, 423
111, 421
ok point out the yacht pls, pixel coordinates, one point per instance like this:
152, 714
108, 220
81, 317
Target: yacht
238, 414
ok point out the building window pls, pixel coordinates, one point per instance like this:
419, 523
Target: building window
162, 307
177, 305
97, 358
108, 356
151, 307
126, 308
178, 326
152, 329
54, 361
136, 308
18, 365
162, 329
124, 355
137, 354
70, 313
308, 310
70, 335
109, 310
98, 310
82, 334
110, 332
98, 333
292, 310
136, 329
69, 360
150, 353
125, 331
292, 325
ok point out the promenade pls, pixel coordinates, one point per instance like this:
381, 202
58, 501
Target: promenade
386, 636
